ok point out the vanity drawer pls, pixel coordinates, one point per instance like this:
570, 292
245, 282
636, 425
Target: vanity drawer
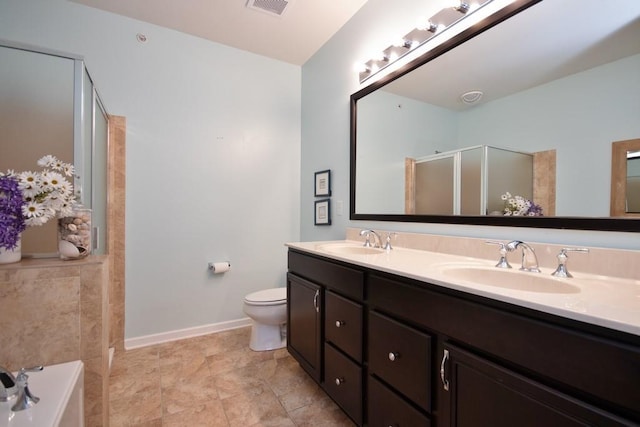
347, 281
343, 324
386, 408
343, 382
401, 357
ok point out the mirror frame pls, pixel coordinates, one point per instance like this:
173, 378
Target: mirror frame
627, 224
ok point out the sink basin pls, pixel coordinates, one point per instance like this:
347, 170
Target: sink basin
510, 279
349, 249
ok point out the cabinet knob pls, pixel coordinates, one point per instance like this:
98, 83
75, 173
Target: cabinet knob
394, 356
340, 381
339, 323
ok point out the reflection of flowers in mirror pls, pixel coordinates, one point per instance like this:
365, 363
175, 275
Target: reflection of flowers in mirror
46, 194
519, 206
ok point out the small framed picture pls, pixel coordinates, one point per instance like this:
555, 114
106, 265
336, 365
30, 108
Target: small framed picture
323, 183
323, 212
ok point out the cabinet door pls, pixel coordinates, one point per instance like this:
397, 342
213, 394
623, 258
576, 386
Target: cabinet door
304, 323
478, 392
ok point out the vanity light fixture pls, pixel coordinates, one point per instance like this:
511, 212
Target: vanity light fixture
435, 25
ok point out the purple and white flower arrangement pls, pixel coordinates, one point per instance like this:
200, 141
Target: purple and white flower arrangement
519, 206
11, 219
30, 199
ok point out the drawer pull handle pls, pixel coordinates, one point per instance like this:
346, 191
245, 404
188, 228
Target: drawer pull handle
339, 323
340, 381
393, 356
315, 300
445, 382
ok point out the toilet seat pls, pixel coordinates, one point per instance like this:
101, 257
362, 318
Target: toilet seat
273, 296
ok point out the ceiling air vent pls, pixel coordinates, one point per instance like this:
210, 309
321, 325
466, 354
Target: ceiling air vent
273, 7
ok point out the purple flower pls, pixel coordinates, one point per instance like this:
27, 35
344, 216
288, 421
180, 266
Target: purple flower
11, 219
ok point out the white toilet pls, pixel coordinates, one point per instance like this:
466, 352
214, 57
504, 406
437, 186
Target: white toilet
268, 310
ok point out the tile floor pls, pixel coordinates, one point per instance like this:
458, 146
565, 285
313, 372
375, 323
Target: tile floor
216, 380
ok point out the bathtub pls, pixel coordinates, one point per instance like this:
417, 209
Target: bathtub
60, 389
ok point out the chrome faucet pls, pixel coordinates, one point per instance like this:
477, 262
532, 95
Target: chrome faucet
25, 398
8, 389
377, 240
529, 258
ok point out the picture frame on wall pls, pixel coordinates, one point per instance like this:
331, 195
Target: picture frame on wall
322, 214
323, 183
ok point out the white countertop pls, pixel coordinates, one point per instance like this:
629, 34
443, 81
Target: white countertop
53, 385
605, 301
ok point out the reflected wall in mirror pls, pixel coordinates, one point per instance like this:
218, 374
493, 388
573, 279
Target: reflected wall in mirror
625, 178
570, 89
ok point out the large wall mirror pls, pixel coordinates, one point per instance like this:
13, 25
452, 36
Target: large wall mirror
560, 81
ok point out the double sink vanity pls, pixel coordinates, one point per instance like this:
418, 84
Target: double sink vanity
414, 337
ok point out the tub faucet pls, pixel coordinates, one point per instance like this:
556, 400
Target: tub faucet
529, 258
377, 243
25, 399
8, 388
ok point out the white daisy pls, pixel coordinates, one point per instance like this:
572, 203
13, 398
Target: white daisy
47, 161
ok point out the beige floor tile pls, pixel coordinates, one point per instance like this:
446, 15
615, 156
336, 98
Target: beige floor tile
187, 393
231, 360
321, 413
185, 368
207, 415
143, 407
122, 386
247, 380
216, 380
259, 408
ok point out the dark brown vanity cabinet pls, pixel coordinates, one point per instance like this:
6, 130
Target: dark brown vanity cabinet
431, 356
328, 343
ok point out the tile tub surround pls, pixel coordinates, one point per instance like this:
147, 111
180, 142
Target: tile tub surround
607, 262
55, 311
216, 380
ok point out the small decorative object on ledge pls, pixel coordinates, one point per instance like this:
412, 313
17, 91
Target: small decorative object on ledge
519, 206
74, 234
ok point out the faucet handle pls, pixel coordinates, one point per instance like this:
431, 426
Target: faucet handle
387, 246
367, 234
502, 262
562, 271
25, 398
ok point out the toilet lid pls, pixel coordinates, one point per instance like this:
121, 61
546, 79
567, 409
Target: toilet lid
273, 295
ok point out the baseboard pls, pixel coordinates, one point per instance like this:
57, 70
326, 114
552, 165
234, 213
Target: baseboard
181, 334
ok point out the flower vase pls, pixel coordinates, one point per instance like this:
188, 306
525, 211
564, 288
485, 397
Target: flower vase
7, 256
74, 234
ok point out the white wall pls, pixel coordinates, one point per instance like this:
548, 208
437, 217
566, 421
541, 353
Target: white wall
328, 80
213, 158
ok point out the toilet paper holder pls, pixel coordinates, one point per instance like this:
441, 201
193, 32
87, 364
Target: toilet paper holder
219, 267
